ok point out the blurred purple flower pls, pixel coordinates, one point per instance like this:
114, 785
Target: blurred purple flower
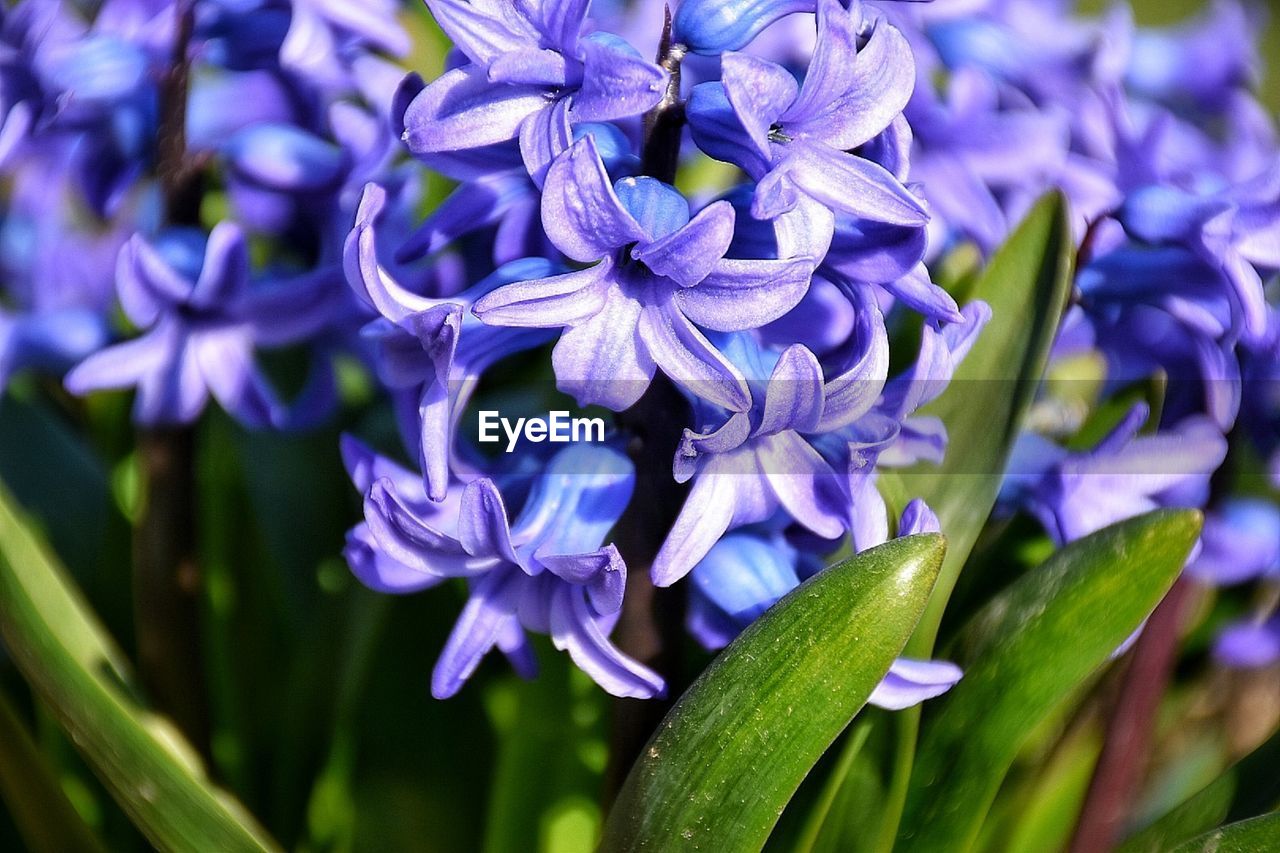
202, 322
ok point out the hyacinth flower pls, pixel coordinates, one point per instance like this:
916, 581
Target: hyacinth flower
752, 464
852, 249
1241, 543
794, 139
1123, 476
1233, 231
1249, 644
531, 74
547, 571
657, 274
434, 347
747, 571
509, 202
804, 447
202, 321
1149, 309
372, 566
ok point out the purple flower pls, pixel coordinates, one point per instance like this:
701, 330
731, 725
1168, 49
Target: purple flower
1124, 475
754, 463
202, 323
433, 347
1240, 542
545, 572
809, 445
794, 139
49, 341
1249, 644
531, 74
657, 275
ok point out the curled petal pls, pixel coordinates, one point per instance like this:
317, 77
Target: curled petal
689, 359
581, 212
687, 256
746, 294
561, 300
616, 81
910, 682
482, 523
574, 628
794, 397
489, 613
463, 110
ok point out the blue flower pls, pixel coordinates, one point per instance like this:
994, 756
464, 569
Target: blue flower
545, 572
203, 322
746, 572
531, 74
432, 346
1124, 475
794, 139
657, 275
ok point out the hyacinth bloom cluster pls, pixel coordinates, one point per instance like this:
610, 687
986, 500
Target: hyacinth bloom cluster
284, 116
765, 308
578, 234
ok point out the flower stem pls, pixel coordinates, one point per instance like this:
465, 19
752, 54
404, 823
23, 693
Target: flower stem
651, 627
166, 574
1117, 778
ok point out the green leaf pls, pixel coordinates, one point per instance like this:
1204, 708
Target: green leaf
1025, 654
45, 817
1248, 836
1026, 284
1248, 787
76, 670
739, 742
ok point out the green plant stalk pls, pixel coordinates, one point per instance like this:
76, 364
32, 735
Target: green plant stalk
1027, 284
167, 583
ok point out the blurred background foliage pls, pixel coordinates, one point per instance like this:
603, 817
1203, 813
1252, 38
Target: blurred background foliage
323, 724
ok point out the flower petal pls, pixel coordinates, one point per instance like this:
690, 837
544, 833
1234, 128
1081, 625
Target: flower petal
687, 255
746, 294
463, 110
581, 213
561, 300
688, 358
600, 360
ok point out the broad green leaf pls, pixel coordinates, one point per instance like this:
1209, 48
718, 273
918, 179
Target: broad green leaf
739, 742
1254, 835
45, 817
1026, 284
1027, 652
76, 670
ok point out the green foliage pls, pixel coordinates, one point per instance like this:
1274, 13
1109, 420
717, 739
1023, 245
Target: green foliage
738, 743
76, 670
1025, 653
